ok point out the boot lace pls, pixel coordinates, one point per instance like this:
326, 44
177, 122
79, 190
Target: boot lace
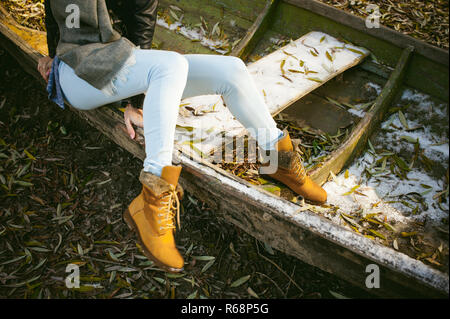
169, 210
298, 168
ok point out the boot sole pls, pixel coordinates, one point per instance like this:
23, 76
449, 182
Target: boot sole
308, 201
132, 226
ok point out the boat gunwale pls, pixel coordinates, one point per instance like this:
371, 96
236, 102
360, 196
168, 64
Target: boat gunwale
353, 145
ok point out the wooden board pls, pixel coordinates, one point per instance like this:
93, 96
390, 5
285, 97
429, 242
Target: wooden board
323, 56
318, 113
254, 34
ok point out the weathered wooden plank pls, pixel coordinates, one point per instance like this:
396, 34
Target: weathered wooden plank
352, 86
313, 50
268, 224
357, 141
254, 34
35, 39
317, 112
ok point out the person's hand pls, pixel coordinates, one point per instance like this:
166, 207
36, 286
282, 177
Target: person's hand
45, 67
133, 116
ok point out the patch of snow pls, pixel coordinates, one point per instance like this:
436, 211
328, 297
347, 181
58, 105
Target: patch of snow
193, 34
384, 190
358, 112
423, 101
375, 86
428, 141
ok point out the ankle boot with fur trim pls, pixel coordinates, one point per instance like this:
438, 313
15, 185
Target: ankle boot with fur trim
292, 173
153, 214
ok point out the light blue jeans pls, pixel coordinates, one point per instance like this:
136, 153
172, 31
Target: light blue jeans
166, 77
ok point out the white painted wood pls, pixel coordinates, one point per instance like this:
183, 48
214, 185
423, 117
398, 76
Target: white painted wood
323, 57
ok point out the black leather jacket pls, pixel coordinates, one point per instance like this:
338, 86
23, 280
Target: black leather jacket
138, 17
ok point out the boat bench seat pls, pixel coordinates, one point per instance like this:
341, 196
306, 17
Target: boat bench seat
283, 77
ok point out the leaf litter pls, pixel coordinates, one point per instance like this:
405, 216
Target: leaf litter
425, 20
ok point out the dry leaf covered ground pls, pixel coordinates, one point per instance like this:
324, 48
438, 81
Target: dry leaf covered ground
426, 20
28, 13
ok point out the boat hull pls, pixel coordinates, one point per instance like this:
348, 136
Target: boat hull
280, 223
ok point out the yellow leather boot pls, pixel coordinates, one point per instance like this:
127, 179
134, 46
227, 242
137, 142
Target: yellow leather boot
152, 216
292, 173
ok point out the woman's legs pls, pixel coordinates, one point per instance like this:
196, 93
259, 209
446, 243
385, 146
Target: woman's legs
166, 77
162, 76
229, 77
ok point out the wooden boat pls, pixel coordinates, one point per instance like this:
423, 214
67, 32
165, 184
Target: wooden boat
404, 61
